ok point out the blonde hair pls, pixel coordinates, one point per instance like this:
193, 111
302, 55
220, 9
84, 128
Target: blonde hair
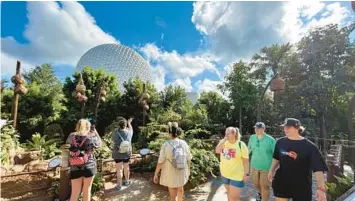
235, 130
83, 125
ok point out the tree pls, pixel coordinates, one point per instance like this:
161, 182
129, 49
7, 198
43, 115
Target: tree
92, 79
241, 89
42, 105
270, 62
323, 53
217, 107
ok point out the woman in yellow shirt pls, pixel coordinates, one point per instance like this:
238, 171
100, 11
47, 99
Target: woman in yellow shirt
234, 163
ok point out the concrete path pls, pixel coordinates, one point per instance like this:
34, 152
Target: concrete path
142, 189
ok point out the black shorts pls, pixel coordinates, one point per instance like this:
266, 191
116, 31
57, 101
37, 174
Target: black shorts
122, 160
76, 174
300, 196
283, 190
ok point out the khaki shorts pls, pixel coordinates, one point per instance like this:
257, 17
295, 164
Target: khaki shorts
259, 178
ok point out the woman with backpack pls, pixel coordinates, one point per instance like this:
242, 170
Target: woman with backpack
234, 163
174, 162
122, 150
82, 162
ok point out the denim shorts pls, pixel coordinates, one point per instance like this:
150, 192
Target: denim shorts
238, 184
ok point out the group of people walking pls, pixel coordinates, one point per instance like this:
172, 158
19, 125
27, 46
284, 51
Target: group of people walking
285, 165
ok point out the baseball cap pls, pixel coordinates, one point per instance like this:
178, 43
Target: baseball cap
259, 125
291, 122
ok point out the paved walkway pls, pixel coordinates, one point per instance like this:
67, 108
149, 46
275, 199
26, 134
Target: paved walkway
143, 189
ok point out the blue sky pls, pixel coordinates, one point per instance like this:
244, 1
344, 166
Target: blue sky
187, 44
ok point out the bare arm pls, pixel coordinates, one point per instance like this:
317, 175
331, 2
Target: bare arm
246, 165
158, 168
320, 179
220, 145
274, 165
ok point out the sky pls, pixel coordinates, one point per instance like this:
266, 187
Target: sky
189, 44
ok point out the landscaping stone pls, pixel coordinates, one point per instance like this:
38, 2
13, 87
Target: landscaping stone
26, 157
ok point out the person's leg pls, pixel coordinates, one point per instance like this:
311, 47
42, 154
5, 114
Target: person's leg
225, 181
126, 172
87, 188
281, 199
76, 186
255, 179
234, 193
235, 190
265, 186
180, 193
119, 169
173, 194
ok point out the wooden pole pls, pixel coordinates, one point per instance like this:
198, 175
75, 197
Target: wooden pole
64, 188
16, 97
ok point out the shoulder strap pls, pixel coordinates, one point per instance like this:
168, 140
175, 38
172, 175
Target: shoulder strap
240, 147
169, 142
118, 132
82, 142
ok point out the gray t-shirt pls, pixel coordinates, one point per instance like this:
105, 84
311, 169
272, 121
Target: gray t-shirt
91, 143
126, 134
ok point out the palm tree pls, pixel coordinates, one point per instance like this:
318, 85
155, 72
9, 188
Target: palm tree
270, 59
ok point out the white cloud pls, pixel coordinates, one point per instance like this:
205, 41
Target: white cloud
207, 85
180, 65
8, 65
185, 83
299, 17
235, 30
159, 79
58, 33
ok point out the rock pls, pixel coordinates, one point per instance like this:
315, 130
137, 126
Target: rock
26, 157
40, 166
18, 168
3, 171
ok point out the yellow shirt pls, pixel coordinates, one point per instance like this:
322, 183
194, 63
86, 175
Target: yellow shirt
231, 165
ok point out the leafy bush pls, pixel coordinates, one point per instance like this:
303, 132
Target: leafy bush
203, 163
335, 190
198, 133
48, 148
9, 143
97, 184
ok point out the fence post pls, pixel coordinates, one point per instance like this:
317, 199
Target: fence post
64, 188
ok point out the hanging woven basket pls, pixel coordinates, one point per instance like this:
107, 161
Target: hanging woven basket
21, 89
277, 84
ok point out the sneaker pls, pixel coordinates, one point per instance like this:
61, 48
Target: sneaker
258, 198
126, 183
118, 187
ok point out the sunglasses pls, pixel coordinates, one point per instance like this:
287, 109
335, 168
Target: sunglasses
257, 143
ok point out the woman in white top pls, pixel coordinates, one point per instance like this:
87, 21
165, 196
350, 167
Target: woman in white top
172, 177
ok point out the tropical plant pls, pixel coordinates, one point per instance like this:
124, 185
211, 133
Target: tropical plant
335, 190
48, 148
8, 144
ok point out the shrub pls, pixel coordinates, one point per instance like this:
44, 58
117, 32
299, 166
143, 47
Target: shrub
9, 143
48, 148
335, 190
203, 164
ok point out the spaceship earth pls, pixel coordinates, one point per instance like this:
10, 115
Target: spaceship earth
119, 60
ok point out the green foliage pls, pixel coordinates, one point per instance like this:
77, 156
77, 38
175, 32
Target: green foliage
199, 133
92, 79
335, 190
42, 104
48, 148
97, 184
204, 163
9, 143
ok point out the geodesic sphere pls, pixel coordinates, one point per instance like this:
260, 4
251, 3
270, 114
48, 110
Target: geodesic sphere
119, 60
